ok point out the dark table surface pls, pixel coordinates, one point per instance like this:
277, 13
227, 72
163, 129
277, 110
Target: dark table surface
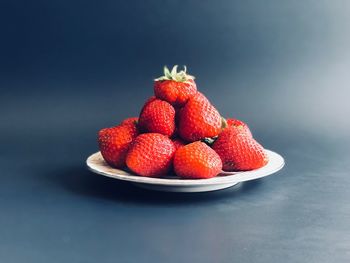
70, 68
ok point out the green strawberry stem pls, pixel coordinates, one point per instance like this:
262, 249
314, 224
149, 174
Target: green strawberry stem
180, 76
223, 123
209, 141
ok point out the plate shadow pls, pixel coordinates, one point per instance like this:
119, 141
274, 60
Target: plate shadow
79, 180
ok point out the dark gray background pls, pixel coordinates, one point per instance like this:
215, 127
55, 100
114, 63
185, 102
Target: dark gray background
69, 68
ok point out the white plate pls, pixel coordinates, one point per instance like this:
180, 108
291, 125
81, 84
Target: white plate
96, 164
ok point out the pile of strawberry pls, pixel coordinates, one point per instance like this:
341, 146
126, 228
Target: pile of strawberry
180, 129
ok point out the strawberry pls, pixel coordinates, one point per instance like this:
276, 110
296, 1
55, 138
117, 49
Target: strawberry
114, 143
178, 142
132, 123
151, 155
239, 151
200, 96
175, 87
157, 116
148, 101
199, 119
131, 120
240, 126
197, 161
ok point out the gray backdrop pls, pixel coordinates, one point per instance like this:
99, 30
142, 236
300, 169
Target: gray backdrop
69, 68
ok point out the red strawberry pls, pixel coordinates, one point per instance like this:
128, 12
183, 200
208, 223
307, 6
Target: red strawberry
175, 87
157, 116
132, 123
200, 96
151, 155
197, 161
239, 152
178, 142
199, 119
148, 101
131, 120
240, 126
114, 144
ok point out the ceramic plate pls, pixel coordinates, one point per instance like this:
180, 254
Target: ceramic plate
97, 165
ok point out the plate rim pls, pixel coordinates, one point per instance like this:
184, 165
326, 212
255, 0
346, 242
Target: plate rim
276, 163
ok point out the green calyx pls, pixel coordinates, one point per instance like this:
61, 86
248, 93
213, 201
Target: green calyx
180, 76
209, 141
223, 123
